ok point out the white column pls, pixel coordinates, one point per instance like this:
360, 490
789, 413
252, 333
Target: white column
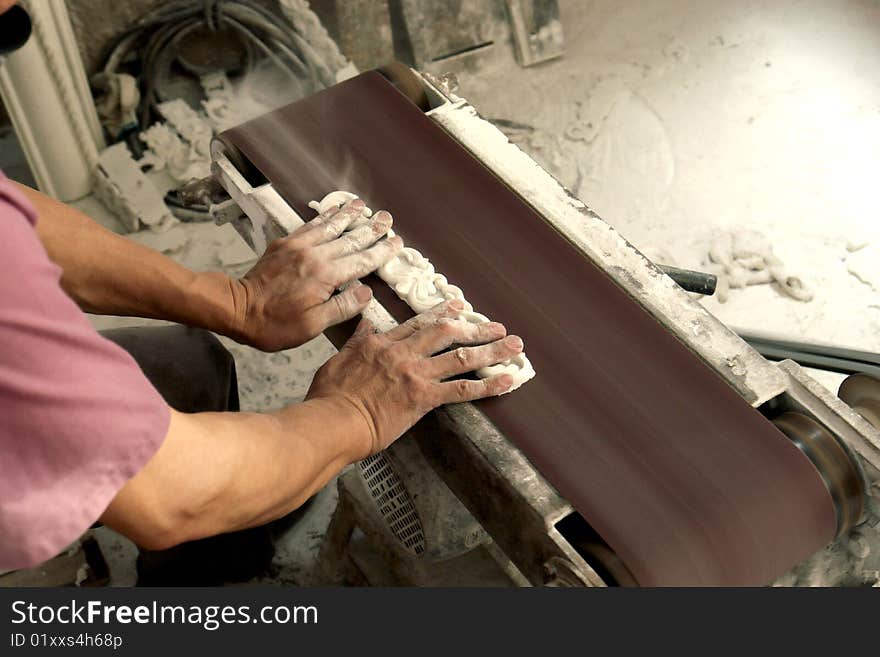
44, 88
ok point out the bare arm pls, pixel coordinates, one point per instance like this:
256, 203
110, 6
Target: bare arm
287, 298
108, 274
218, 472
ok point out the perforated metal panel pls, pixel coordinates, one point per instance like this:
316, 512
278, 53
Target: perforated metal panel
393, 501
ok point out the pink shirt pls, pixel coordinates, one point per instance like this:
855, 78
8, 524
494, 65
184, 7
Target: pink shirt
77, 416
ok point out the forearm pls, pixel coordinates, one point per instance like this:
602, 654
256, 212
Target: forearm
220, 472
108, 274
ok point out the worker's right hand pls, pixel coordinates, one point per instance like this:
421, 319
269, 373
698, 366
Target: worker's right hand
394, 378
290, 296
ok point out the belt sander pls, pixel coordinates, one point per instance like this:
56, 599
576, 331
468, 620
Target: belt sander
654, 446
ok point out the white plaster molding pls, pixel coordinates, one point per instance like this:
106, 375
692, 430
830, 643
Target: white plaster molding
44, 88
413, 278
307, 24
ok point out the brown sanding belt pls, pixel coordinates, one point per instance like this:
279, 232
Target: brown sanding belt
685, 481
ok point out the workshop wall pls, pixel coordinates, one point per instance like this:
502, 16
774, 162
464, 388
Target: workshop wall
369, 32
98, 22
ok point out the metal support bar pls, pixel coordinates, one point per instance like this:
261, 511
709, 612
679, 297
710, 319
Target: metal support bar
824, 357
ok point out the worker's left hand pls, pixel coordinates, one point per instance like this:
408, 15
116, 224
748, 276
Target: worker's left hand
290, 295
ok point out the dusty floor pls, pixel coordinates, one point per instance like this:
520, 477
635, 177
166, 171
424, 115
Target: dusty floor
675, 120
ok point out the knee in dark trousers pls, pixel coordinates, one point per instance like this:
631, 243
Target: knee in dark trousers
194, 373
189, 367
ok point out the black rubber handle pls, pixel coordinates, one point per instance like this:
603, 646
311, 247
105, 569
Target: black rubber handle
15, 29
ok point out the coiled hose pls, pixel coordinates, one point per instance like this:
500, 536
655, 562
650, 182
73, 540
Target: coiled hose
285, 42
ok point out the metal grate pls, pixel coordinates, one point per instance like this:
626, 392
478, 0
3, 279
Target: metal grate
393, 501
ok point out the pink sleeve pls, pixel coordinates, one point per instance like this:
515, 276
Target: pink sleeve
77, 416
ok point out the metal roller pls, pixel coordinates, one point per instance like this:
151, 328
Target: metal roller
862, 393
221, 145
841, 475
406, 82
607, 564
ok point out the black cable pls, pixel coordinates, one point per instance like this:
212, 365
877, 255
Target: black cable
823, 357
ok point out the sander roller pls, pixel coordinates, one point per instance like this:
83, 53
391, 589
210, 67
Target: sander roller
654, 447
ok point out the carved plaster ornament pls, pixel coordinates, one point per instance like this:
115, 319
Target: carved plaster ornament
334, 200
413, 278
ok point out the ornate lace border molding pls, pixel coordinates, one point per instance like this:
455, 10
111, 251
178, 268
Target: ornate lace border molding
412, 277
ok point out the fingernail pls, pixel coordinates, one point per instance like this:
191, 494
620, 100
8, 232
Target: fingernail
384, 216
363, 293
495, 328
456, 304
357, 204
514, 341
506, 381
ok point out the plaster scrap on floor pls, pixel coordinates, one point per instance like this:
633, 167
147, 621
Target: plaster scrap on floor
864, 264
741, 258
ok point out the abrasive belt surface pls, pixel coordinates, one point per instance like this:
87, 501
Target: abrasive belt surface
682, 478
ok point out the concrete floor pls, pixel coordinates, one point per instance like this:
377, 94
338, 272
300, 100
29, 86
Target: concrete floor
674, 120
678, 119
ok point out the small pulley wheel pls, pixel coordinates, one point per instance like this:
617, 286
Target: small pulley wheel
408, 83
862, 393
595, 551
606, 563
831, 459
222, 145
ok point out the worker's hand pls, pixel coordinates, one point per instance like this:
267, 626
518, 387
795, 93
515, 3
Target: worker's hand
290, 295
394, 378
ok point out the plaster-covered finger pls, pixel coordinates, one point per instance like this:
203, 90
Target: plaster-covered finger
335, 200
468, 359
364, 327
351, 204
357, 239
329, 226
344, 305
337, 224
464, 390
365, 262
447, 332
448, 309
304, 230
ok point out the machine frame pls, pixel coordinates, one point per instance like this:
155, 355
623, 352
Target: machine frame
479, 489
